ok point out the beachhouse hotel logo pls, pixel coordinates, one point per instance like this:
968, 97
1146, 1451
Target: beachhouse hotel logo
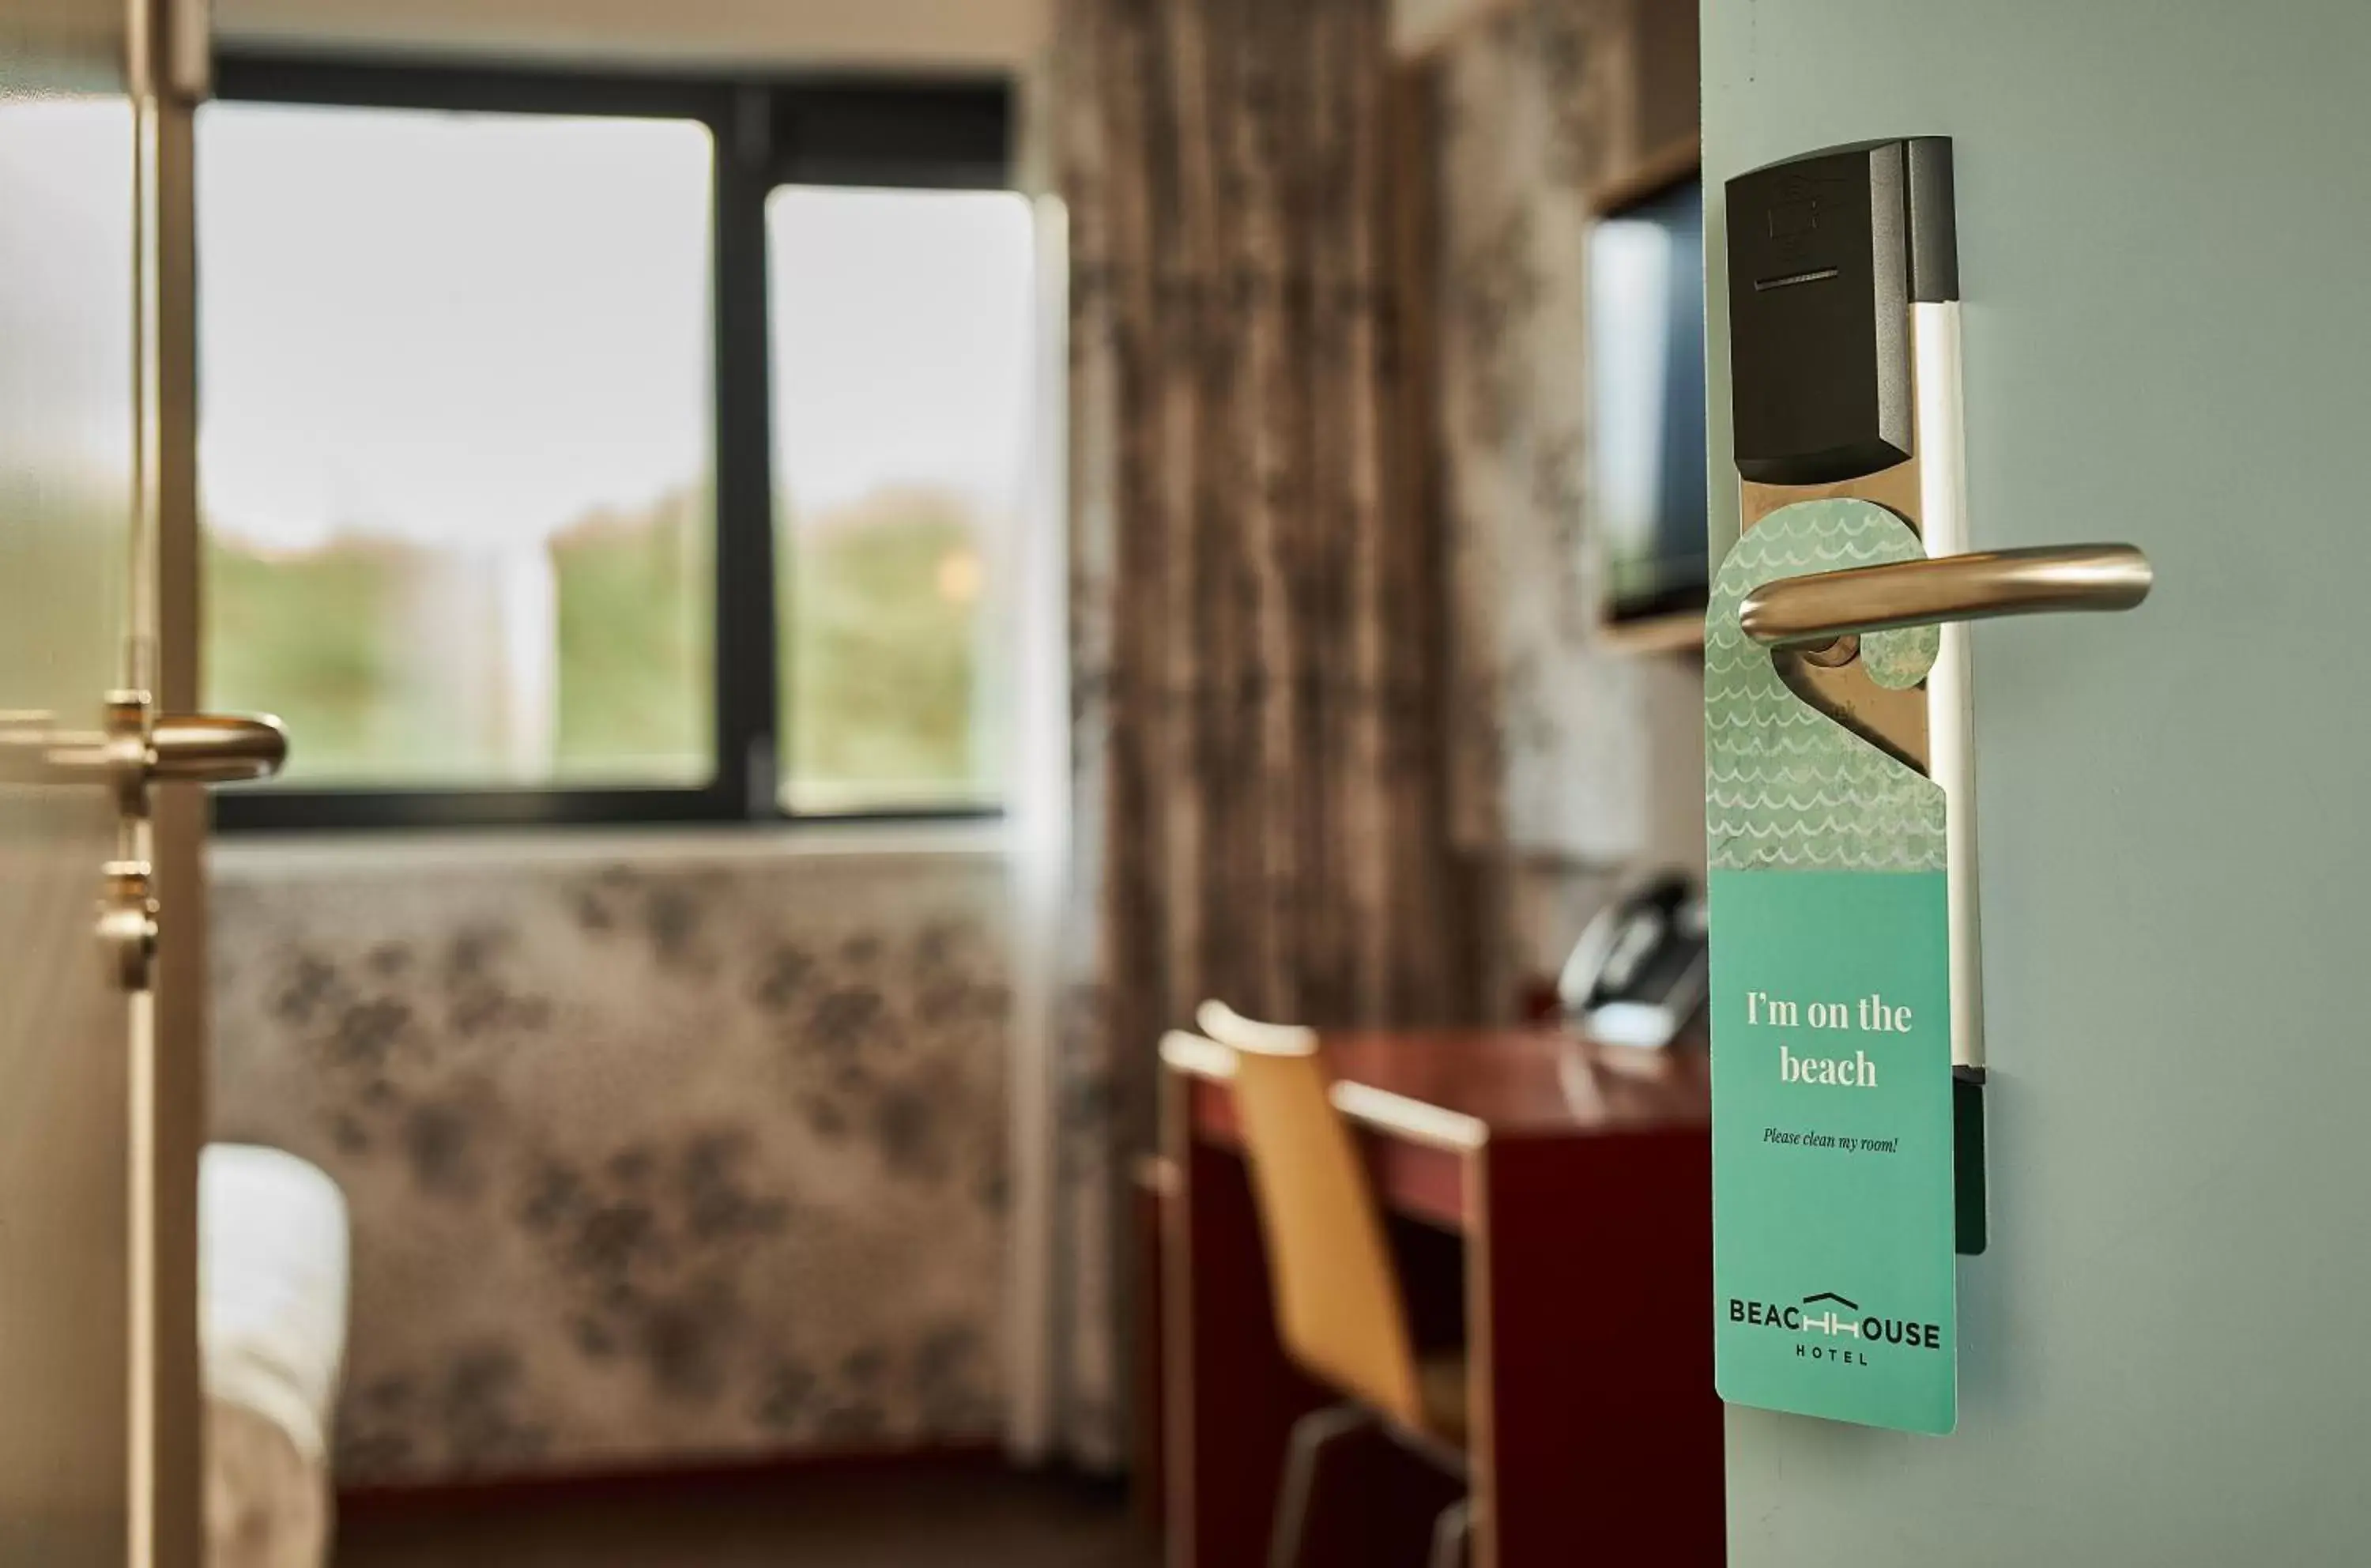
1832, 1326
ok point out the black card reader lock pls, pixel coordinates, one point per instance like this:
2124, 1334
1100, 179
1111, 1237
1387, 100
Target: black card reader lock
1827, 254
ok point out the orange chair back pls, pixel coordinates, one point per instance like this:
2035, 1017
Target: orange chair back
1336, 1287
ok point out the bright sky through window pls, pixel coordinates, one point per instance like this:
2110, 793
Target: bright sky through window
446, 327
901, 329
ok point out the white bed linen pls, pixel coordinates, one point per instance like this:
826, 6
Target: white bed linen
272, 1288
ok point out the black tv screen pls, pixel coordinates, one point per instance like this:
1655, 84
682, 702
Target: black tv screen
1647, 402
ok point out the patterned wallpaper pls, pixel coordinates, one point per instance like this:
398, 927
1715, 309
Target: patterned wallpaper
654, 1159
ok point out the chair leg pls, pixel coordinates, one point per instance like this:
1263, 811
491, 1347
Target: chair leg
1312, 1435
1450, 1534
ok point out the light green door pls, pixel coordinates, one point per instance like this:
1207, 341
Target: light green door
2165, 244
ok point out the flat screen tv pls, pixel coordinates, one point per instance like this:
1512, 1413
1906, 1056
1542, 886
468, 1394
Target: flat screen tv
1646, 349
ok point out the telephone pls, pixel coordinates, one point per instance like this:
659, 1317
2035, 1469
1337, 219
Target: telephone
1638, 976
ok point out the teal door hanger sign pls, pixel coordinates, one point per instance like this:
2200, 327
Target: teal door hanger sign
1833, 1139
1831, 781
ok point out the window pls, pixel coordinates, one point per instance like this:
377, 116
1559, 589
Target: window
457, 443
901, 379
582, 450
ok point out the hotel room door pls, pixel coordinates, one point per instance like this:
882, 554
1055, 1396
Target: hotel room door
101, 1060
2164, 226
70, 433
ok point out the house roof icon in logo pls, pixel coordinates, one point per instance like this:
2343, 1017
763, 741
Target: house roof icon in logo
1831, 1323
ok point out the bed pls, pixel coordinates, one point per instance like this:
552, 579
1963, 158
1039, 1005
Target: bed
272, 1272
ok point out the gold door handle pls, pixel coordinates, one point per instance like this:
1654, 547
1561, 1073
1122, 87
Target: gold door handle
137, 748
142, 747
214, 748
1800, 612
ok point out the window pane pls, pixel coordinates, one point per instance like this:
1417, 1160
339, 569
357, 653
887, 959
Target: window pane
901, 354
455, 443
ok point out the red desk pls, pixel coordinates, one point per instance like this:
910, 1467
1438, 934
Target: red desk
1580, 1180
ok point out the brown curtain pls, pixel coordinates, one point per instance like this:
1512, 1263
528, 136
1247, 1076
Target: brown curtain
1257, 585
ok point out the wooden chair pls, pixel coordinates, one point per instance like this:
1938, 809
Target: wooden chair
1340, 1312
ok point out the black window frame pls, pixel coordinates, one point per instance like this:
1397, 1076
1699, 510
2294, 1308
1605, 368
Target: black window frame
936, 133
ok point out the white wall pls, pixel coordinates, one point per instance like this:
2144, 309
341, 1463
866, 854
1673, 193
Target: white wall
922, 35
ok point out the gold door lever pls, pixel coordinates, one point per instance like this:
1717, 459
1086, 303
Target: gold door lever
214, 748
1801, 612
137, 748
142, 747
